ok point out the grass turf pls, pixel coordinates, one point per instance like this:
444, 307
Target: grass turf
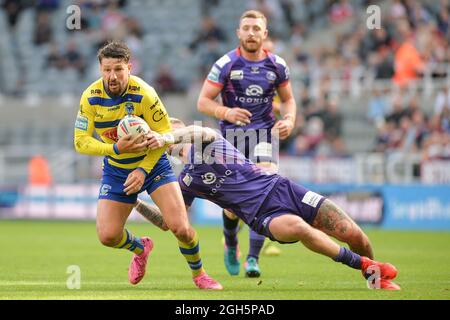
35, 255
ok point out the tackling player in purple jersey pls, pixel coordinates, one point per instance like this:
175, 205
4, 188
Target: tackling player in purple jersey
247, 79
269, 203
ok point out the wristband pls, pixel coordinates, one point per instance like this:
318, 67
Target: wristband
226, 114
290, 118
168, 138
116, 148
221, 112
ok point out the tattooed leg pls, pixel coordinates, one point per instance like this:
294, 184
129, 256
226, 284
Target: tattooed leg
336, 223
151, 213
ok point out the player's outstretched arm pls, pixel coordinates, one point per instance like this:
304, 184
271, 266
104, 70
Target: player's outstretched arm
152, 213
188, 134
191, 134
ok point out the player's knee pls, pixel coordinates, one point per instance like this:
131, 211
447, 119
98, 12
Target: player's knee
109, 239
358, 238
182, 232
301, 231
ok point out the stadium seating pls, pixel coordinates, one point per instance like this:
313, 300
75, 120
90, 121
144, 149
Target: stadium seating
31, 90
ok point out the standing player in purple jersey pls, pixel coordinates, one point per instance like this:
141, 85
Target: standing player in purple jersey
268, 203
247, 80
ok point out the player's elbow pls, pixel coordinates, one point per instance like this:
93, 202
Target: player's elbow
78, 143
201, 105
182, 232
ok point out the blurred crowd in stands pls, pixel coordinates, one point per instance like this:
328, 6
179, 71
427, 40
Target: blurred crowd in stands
413, 42
403, 125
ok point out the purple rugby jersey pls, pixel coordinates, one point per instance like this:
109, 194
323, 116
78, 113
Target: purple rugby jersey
249, 85
220, 173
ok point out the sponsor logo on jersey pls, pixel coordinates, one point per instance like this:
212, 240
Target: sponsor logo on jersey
287, 72
311, 199
81, 123
209, 178
271, 76
214, 74
154, 104
265, 221
114, 108
129, 108
187, 179
254, 90
158, 115
134, 88
98, 115
237, 74
280, 60
96, 91
111, 134
254, 70
105, 189
217, 183
250, 100
223, 61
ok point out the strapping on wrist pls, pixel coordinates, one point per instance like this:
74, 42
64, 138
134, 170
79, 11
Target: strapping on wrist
116, 148
168, 138
221, 112
289, 118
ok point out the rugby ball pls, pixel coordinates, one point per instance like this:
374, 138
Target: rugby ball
132, 124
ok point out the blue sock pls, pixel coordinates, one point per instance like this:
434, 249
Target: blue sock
256, 243
130, 242
349, 258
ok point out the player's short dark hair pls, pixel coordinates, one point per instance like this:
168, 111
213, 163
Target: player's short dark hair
114, 49
255, 14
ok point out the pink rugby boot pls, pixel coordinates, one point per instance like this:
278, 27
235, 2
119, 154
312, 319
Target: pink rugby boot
139, 262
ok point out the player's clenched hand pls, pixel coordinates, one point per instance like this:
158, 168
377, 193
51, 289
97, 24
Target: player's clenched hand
155, 140
129, 144
238, 116
284, 128
134, 182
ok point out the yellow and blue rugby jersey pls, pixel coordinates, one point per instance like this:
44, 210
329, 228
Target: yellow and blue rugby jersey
102, 113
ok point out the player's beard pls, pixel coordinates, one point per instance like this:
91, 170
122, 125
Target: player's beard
251, 47
115, 87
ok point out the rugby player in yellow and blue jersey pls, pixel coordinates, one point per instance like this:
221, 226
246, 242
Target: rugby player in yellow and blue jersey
129, 167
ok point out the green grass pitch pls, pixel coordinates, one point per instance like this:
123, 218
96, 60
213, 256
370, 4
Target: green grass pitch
35, 255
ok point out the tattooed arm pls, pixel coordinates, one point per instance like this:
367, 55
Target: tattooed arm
188, 134
192, 133
151, 213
